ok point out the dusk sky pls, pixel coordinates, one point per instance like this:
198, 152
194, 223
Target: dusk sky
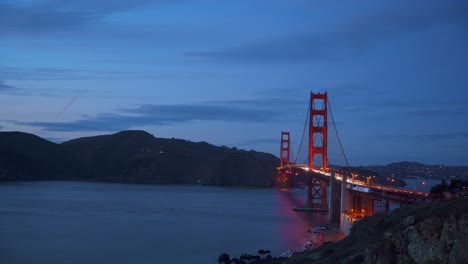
236, 73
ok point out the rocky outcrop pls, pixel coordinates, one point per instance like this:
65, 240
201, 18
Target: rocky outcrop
430, 233
437, 239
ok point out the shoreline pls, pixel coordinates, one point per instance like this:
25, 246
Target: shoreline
331, 233
328, 233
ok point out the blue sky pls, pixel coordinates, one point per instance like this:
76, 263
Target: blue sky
236, 73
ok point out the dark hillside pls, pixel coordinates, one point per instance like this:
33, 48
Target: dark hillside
29, 157
135, 156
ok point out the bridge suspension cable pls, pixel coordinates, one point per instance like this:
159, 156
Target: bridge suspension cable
337, 135
318, 119
303, 132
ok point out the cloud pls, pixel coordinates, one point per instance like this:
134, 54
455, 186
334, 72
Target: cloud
61, 15
415, 103
260, 103
352, 37
16, 73
36, 19
27, 91
396, 108
439, 111
47, 73
258, 141
159, 115
6, 88
426, 137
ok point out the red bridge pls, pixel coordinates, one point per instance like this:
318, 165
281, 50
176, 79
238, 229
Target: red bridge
350, 198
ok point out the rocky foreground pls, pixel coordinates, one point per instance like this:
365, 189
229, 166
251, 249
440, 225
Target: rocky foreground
428, 233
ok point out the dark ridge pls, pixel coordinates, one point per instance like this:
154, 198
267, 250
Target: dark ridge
406, 169
29, 157
132, 156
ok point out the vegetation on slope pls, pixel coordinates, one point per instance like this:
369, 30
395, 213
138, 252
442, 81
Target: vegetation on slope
425, 233
29, 157
132, 156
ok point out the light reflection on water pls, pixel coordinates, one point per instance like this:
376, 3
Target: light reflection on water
421, 185
297, 233
77, 222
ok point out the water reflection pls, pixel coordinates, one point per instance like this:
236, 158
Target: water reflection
295, 232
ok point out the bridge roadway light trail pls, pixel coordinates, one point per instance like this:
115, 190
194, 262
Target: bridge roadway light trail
364, 184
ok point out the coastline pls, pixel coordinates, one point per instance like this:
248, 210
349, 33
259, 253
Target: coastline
328, 233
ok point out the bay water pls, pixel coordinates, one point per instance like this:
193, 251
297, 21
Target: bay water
82, 222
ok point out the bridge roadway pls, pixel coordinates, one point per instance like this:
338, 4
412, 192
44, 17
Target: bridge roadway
364, 189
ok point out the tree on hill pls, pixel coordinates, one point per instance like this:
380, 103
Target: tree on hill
456, 188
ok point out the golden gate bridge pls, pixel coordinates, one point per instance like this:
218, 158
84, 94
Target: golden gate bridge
350, 198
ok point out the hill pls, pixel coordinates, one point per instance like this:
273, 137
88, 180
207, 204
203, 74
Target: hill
400, 170
132, 156
28, 157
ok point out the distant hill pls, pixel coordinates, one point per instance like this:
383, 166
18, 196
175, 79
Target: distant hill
399, 171
132, 156
407, 169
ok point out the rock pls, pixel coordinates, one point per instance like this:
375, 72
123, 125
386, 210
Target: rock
424, 233
410, 220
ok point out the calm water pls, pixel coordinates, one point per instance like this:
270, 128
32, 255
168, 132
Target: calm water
77, 222
421, 185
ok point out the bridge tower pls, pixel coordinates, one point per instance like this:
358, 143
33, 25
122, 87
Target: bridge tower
318, 137
319, 131
285, 148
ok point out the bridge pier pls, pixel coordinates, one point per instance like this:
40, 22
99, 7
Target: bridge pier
334, 200
362, 206
330, 202
381, 206
345, 205
316, 193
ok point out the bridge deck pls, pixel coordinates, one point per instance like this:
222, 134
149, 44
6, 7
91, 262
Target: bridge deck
360, 186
